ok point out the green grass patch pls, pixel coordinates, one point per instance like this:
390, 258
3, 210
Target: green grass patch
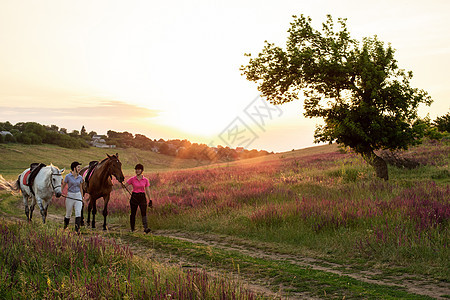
298, 279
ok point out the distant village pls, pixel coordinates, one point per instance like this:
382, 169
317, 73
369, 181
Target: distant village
35, 133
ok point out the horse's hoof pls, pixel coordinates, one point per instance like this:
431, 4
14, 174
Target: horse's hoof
105, 228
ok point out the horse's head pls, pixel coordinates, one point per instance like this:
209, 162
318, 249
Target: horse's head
115, 167
56, 180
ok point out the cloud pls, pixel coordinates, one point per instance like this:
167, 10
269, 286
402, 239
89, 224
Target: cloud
102, 110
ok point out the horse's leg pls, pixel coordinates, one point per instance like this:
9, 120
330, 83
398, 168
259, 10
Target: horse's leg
94, 212
27, 210
41, 207
33, 203
105, 210
89, 212
46, 208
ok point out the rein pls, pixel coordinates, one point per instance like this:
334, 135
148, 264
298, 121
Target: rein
65, 196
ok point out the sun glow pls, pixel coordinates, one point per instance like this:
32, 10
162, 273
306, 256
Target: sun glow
147, 66
173, 67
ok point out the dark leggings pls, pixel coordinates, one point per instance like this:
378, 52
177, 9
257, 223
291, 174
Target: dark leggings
137, 200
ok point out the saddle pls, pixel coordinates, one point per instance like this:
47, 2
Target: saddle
89, 171
29, 176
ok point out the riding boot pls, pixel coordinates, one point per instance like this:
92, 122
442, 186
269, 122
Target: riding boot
77, 224
66, 222
132, 222
145, 224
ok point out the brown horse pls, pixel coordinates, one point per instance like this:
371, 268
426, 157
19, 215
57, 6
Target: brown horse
100, 185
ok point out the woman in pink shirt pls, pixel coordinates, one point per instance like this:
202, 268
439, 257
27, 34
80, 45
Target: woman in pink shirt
140, 189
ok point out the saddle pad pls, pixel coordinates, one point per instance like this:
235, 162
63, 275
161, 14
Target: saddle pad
25, 177
88, 174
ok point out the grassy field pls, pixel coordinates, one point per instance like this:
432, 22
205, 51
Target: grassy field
14, 158
307, 223
46, 262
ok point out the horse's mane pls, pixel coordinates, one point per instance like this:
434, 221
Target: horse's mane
53, 166
105, 159
50, 168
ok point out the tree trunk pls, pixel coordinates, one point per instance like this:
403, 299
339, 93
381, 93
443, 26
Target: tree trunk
378, 164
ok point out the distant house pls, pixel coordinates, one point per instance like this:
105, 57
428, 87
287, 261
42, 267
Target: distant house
99, 142
5, 133
180, 149
239, 149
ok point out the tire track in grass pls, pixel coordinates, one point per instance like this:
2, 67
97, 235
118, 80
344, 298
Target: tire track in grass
288, 279
437, 290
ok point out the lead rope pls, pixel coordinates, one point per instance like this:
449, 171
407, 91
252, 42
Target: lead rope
149, 200
65, 196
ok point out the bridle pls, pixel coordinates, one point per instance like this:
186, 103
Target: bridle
51, 181
110, 166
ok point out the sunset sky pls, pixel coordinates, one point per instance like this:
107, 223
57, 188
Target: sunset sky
170, 69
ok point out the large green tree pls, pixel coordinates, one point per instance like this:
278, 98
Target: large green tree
365, 100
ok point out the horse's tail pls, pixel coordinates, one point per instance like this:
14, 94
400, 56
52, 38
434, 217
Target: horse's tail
9, 186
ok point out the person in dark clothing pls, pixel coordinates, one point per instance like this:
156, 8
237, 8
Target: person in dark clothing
141, 188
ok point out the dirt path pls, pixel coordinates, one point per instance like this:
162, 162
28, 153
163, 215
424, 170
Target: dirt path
148, 253
412, 284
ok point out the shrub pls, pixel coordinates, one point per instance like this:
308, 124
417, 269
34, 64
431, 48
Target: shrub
443, 123
10, 138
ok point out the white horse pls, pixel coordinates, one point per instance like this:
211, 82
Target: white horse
46, 182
